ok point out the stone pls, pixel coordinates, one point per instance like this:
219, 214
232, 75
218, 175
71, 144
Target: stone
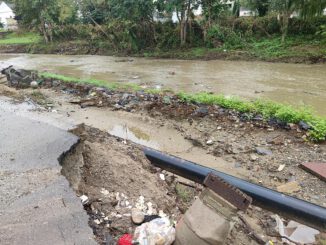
263, 151
167, 100
162, 177
210, 142
201, 111
289, 187
253, 157
304, 126
34, 84
137, 216
281, 167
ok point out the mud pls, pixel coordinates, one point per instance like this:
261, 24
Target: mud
183, 130
114, 174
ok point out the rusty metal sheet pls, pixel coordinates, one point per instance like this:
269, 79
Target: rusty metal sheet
228, 192
316, 168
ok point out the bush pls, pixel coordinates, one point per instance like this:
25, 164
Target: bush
306, 27
120, 35
167, 35
218, 36
258, 26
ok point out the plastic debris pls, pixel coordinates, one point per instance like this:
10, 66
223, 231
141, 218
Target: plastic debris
125, 240
295, 232
162, 177
84, 199
158, 231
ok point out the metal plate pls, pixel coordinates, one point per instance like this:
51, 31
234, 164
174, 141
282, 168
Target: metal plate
228, 192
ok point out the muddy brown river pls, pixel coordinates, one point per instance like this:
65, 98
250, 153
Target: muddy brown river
296, 84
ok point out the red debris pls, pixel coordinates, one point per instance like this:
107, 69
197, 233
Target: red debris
316, 168
125, 240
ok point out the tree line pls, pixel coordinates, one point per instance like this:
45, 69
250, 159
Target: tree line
44, 15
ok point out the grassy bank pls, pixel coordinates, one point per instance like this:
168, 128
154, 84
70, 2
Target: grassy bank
267, 109
20, 38
298, 49
295, 50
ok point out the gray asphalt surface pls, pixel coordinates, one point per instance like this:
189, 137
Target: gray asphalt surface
37, 206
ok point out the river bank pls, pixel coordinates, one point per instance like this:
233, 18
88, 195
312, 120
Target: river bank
292, 84
264, 154
294, 50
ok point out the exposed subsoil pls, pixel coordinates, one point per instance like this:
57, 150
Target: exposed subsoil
246, 142
115, 175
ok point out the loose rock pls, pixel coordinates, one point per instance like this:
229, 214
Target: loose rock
137, 216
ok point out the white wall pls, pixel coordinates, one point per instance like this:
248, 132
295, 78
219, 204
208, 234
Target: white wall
5, 13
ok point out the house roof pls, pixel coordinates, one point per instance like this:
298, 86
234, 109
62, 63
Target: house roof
10, 5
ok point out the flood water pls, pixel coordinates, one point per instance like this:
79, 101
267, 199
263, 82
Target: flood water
296, 84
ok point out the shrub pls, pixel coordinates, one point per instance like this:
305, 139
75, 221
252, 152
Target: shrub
218, 36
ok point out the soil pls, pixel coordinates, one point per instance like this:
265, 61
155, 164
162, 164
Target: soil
81, 48
252, 148
114, 174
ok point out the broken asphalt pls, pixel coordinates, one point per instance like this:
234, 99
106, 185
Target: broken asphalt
37, 206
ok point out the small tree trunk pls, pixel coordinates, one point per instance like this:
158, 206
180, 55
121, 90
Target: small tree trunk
43, 31
285, 26
183, 33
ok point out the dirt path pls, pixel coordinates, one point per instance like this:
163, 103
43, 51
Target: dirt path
218, 139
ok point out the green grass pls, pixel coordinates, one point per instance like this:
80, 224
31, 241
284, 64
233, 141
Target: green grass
295, 48
16, 38
298, 46
98, 83
267, 109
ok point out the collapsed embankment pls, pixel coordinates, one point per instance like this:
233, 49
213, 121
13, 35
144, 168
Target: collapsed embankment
269, 151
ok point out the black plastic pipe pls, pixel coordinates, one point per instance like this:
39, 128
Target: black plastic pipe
287, 206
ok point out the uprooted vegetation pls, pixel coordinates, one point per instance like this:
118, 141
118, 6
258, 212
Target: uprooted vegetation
267, 111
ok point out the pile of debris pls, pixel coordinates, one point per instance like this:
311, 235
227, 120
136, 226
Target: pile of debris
129, 201
20, 78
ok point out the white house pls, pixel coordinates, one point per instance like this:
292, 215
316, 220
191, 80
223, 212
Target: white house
7, 16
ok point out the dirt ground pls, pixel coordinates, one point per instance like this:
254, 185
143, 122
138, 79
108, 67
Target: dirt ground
267, 153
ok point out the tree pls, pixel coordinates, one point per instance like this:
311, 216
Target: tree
305, 9
184, 13
44, 14
212, 10
259, 6
97, 11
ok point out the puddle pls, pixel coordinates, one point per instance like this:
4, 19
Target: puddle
135, 135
